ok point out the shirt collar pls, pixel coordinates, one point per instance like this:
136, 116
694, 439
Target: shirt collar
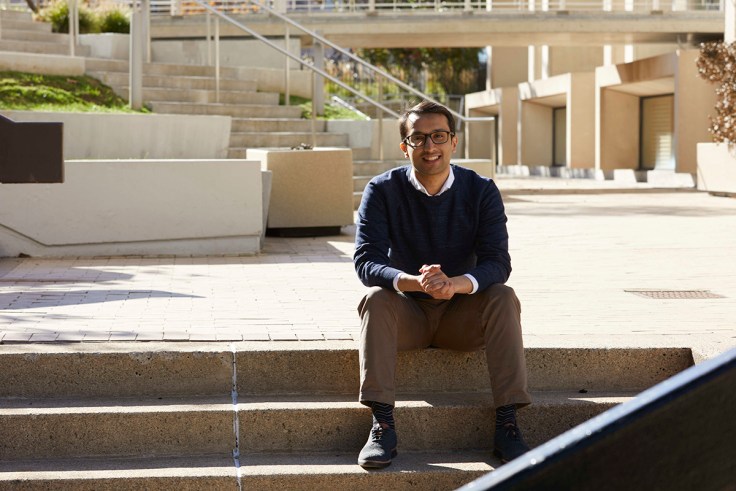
419, 187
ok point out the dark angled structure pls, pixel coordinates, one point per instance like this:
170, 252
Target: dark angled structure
678, 435
31, 152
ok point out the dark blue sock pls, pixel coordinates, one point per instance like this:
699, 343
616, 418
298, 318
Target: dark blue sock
383, 413
505, 415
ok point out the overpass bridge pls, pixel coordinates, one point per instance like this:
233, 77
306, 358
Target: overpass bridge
468, 28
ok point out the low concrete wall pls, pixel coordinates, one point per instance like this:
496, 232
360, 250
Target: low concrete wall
150, 207
45, 64
137, 136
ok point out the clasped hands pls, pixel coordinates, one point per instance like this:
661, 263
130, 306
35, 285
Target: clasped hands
436, 283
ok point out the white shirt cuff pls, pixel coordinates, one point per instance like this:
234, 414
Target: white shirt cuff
396, 282
474, 282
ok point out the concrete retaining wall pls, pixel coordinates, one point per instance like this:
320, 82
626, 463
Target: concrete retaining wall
124, 207
137, 136
38, 63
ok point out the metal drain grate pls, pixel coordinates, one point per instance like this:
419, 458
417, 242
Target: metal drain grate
676, 294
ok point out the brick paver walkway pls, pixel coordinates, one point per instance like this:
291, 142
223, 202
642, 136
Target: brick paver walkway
577, 247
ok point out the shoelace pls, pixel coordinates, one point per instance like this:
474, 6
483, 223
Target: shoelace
512, 432
377, 433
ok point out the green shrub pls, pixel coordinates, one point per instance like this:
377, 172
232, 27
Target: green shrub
57, 13
115, 20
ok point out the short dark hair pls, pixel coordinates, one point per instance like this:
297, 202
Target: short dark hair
425, 107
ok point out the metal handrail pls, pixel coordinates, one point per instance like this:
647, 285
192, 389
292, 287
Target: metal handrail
460, 118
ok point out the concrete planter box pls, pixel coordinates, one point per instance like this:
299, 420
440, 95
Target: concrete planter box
716, 168
107, 45
311, 190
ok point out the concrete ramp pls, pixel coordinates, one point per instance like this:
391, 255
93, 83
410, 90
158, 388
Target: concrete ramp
677, 435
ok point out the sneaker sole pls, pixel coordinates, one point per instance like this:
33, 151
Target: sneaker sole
377, 464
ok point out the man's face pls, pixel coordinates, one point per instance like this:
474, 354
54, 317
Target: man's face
431, 159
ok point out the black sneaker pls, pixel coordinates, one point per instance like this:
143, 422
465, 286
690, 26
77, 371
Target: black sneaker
379, 449
508, 443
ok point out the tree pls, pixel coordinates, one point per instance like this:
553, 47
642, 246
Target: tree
435, 70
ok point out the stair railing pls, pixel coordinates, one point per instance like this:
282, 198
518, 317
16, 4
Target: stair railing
381, 75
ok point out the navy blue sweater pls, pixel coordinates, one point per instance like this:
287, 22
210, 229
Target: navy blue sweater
400, 229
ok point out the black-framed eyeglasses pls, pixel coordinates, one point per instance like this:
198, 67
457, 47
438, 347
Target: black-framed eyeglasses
420, 139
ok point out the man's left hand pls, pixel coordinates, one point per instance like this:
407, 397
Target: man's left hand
436, 283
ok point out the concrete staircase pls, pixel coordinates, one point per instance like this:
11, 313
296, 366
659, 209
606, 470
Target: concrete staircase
258, 119
169, 416
19, 32
365, 170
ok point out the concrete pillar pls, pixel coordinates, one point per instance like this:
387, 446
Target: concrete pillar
489, 71
176, 8
318, 103
544, 62
729, 31
580, 145
507, 124
531, 63
135, 79
146, 11
73, 16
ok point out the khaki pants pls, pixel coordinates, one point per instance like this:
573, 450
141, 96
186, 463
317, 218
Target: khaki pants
489, 319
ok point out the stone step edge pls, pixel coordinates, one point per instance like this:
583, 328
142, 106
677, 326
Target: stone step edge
17, 407
265, 465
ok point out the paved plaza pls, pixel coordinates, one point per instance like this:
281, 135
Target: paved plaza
588, 258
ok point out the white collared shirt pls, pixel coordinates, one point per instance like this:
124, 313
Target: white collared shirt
419, 187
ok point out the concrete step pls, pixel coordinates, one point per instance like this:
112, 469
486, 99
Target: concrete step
178, 82
375, 167
169, 69
133, 474
17, 15
35, 35
16, 22
198, 96
430, 470
359, 183
286, 139
357, 196
447, 421
183, 370
240, 125
162, 415
43, 48
166, 427
115, 428
236, 110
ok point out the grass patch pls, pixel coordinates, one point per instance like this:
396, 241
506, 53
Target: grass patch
33, 92
332, 111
